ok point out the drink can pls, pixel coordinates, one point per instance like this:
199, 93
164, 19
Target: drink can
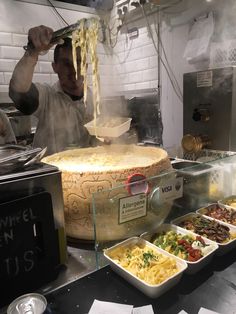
32, 303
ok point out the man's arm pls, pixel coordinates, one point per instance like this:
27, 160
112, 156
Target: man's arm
23, 73
21, 89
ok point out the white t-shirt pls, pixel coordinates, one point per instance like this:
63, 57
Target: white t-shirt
61, 120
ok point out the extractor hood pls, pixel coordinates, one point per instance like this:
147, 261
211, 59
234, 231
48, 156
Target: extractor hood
97, 4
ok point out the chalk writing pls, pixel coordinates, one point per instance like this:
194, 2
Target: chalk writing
8, 223
14, 264
24, 215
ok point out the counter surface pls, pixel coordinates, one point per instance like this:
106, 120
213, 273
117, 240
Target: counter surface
214, 288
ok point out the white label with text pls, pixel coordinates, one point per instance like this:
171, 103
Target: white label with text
132, 207
204, 79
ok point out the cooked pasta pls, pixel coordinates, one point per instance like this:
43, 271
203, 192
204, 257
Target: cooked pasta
86, 37
145, 263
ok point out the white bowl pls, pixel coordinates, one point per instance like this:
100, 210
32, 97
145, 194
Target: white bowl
151, 291
193, 267
108, 126
223, 247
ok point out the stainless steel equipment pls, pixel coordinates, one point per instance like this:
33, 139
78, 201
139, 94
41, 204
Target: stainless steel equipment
32, 235
22, 125
106, 5
209, 116
196, 187
146, 119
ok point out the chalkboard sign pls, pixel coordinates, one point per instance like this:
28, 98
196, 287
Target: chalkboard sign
29, 252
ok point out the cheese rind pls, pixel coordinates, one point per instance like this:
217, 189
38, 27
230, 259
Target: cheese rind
99, 170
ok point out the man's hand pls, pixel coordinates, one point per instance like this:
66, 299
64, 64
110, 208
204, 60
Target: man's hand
22, 76
40, 37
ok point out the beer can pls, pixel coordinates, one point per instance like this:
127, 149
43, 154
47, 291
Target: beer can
31, 303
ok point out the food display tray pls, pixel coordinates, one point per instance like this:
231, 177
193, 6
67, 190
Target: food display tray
108, 126
223, 247
203, 211
191, 168
228, 202
151, 291
193, 267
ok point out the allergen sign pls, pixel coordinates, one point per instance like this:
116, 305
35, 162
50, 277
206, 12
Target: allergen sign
132, 207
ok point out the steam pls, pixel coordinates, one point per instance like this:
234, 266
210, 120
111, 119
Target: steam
223, 44
225, 21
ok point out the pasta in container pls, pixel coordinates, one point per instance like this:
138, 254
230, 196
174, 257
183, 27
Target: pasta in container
149, 268
109, 126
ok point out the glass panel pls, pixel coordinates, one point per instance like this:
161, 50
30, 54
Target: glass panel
132, 209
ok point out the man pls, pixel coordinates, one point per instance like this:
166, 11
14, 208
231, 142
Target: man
60, 109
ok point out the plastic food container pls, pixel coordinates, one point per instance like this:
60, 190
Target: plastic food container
228, 202
231, 211
223, 247
108, 126
191, 168
151, 291
193, 267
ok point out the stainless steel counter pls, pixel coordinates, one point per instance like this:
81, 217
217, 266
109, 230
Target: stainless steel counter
81, 262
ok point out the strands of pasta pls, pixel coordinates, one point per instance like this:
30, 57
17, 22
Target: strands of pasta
145, 263
86, 38
79, 39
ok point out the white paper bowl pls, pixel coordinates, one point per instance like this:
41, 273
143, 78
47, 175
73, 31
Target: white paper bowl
193, 267
151, 291
223, 247
103, 129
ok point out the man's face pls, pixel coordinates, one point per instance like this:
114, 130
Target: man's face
66, 72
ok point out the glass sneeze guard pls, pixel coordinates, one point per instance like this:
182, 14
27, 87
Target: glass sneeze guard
138, 207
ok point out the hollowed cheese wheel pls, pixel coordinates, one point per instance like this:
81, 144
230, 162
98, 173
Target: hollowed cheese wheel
98, 170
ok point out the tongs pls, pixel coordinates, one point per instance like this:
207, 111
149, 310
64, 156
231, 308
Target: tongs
21, 160
67, 31
57, 35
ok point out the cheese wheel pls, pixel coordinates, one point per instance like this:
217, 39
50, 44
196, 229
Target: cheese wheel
96, 172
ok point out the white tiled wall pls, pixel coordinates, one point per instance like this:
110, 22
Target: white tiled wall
135, 59
137, 68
